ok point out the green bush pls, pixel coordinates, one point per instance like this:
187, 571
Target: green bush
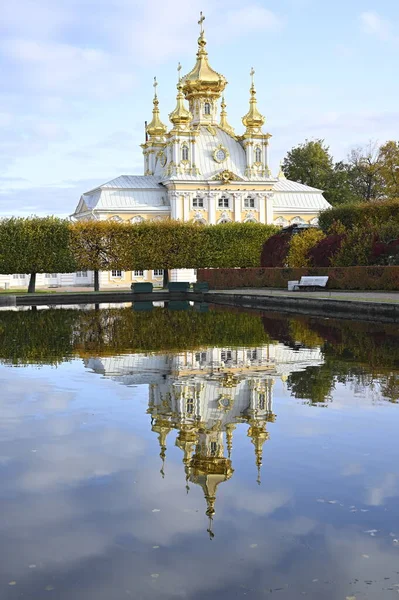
356, 214
300, 245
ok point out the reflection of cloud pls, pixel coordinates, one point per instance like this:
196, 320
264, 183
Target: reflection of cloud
352, 469
387, 488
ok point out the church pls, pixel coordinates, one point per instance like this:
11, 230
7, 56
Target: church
199, 169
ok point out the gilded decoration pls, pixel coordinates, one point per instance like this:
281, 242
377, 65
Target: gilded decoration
225, 177
156, 129
225, 402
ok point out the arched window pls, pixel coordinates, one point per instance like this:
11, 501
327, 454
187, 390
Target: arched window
137, 219
207, 108
281, 222
262, 400
250, 220
117, 219
190, 406
184, 153
314, 222
297, 221
258, 155
214, 448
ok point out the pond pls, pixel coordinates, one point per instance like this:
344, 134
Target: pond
197, 453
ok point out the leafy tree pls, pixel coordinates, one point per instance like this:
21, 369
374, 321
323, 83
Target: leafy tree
35, 245
366, 173
309, 163
389, 160
300, 245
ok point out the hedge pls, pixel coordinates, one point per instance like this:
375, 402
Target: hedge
340, 278
360, 213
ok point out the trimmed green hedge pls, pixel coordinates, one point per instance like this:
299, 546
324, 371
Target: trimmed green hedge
360, 214
340, 278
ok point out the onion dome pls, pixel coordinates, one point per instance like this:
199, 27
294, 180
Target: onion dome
253, 120
156, 128
181, 116
202, 80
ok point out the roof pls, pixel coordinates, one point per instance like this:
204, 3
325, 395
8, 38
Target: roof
127, 192
286, 185
290, 196
206, 143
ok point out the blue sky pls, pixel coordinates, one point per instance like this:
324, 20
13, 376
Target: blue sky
76, 82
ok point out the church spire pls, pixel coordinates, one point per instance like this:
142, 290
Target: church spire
258, 434
180, 117
156, 128
253, 120
223, 119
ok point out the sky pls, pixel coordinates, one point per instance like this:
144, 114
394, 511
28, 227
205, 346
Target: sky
76, 82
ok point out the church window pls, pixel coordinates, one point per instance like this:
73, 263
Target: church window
18, 276
281, 222
116, 218
50, 275
138, 273
198, 202
190, 406
252, 354
297, 221
158, 272
207, 108
225, 355
116, 273
261, 401
223, 202
200, 357
258, 155
249, 202
214, 448
184, 153
137, 219
81, 274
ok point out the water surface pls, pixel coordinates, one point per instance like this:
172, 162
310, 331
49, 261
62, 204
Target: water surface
197, 454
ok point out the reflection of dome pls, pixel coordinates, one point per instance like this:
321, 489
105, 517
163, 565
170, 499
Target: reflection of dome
208, 472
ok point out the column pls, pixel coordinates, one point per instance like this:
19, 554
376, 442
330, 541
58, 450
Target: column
186, 206
237, 206
262, 208
269, 207
212, 208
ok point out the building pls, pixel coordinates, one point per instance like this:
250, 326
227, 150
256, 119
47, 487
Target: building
200, 170
201, 397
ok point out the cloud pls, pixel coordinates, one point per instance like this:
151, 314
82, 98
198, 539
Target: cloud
377, 26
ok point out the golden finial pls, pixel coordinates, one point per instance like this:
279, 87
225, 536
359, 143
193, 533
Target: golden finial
156, 128
281, 175
258, 434
253, 120
180, 117
223, 119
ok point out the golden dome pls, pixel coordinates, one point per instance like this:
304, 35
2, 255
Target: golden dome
202, 80
253, 120
181, 116
156, 128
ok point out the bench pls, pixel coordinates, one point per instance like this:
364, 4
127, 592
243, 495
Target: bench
311, 283
142, 288
201, 286
178, 286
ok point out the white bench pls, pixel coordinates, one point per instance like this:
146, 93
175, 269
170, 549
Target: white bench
311, 283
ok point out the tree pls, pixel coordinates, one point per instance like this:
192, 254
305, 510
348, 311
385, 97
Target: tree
35, 245
100, 246
389, 161
309, 163
366, 173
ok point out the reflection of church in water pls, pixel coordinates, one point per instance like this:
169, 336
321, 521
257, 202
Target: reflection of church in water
203, 396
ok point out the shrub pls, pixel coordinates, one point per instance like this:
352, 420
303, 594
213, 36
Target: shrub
275, 249
300, 245
356, 214
322, 253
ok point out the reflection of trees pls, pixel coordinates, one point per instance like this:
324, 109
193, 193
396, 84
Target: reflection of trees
54, 335
390, 387
313, 383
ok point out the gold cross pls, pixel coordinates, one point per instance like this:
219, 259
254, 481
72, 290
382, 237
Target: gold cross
178, 70
200, 22
155, 86
252, 73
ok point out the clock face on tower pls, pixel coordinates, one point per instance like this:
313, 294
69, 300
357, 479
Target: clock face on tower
220, 154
